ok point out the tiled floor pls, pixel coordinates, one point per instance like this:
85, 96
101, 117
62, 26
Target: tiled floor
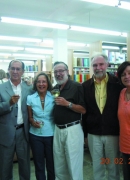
87, 169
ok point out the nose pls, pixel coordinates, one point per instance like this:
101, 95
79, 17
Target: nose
127, 75
15, 70
98, 66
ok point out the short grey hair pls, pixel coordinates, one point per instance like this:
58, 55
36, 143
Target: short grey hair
98, 55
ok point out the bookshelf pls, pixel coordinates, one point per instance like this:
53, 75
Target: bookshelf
81, 71
115, 59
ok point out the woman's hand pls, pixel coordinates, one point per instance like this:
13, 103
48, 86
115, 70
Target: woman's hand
35, 124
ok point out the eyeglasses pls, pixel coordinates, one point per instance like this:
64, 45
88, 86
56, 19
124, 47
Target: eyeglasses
60, 71
41, 82
13, 69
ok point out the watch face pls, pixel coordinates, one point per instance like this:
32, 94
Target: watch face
70, 105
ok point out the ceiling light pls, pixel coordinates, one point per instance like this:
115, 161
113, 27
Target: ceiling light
5, 54
11, 38
11, 48
124, 5
75, 44
48, 41
36, 50
5, 60
28, 55
104, 2
34, 23
110, 47
124, 48
97, 31
114, 3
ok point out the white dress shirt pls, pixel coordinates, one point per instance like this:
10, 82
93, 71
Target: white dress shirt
17, 91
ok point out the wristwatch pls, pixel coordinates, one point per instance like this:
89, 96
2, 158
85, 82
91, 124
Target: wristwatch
70, 105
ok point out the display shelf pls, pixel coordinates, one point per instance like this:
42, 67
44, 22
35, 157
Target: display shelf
81, 71
81, 74
30, 71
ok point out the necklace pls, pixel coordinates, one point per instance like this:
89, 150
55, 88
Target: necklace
42, 101
127, 95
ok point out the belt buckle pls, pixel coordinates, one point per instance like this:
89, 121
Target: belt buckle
66, 125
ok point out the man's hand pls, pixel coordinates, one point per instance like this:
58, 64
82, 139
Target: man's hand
14, 99
61, 101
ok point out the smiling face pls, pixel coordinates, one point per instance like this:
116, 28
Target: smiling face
125, 77
42, 84
16, 72
61, 74
99, 67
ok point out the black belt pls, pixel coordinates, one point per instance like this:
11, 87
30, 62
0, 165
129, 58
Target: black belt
19, 126
68, 125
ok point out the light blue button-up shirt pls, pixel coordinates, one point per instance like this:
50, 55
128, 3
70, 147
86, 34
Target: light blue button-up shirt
40, 114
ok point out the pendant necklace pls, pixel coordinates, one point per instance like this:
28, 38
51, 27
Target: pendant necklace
42, 101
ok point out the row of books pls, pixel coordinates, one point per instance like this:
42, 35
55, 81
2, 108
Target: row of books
80, 62
115, 57
31, 68
81, 77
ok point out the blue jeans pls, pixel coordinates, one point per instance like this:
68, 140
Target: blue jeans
42, 149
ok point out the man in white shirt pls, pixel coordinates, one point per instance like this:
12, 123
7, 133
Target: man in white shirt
14, 125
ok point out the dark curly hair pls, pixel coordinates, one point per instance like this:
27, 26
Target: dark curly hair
47, 78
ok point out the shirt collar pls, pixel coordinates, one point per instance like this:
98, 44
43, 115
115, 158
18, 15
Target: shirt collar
47, 94
13, 84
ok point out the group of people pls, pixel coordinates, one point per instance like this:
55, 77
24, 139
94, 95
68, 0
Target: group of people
95, 112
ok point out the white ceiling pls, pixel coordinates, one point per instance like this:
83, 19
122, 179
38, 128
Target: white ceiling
71, 12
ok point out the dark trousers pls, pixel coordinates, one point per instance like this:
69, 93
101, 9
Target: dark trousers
22, 149
126, 166
42, 149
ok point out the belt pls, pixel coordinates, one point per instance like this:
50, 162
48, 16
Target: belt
19, 126
68, 125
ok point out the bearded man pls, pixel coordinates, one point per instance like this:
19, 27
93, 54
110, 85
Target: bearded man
100, 122
68, 135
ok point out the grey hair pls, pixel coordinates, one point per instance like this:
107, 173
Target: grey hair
98, 55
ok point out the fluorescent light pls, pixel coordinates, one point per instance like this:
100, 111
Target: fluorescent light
109, 42
75, 44
11, 48
11, 38
5, 54
34, 23
96, 31
28, 55
124, 5
104, 2
36, 50
114, 3
110, 47
5, 60
124, 48
48, 41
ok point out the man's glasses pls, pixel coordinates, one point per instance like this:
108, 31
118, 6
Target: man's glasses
60, 71
13, 69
